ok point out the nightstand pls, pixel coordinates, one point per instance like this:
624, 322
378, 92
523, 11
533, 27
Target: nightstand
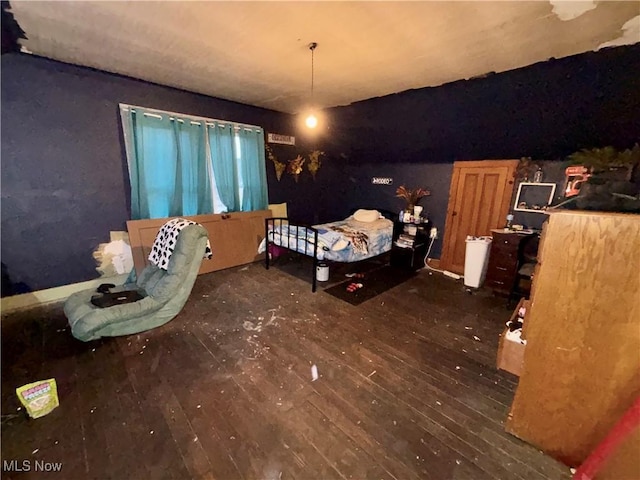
410, 244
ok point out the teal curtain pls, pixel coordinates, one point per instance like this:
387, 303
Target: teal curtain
221, 145
175, 163
252, 169
153, 179
193, 170
168, 166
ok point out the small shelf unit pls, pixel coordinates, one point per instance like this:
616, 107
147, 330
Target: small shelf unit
409, 245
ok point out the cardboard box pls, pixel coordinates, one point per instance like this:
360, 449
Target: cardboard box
510, 354
511, 348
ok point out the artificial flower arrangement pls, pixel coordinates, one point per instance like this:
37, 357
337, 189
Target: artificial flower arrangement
314, 162
279, 166
411, 196
294, 167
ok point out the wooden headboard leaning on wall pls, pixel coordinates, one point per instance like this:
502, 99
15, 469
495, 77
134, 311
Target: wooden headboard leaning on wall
279, 210
234, 238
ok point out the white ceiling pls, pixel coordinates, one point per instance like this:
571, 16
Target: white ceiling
257, 52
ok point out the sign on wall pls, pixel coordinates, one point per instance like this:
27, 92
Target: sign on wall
283, 139
382, 181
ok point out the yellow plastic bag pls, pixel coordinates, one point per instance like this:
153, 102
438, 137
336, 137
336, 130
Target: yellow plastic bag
39, 398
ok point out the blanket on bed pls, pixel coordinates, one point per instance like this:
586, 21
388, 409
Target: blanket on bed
343, 241
358, 239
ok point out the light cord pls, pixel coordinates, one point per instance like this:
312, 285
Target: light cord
312, 47
426, 258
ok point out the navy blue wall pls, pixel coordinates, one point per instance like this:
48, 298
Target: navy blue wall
545, 111
64, 178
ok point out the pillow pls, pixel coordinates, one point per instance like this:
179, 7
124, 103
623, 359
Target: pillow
379, 224
366, 215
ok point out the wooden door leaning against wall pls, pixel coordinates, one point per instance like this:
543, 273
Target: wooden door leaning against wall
479, 201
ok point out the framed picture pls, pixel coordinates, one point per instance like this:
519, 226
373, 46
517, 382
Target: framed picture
281, 139
534, 197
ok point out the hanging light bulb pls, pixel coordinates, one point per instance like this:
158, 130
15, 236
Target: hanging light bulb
311, 120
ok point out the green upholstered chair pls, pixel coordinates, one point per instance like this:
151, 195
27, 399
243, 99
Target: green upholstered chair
166, 292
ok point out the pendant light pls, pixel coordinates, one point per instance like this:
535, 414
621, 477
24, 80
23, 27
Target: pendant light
312, 121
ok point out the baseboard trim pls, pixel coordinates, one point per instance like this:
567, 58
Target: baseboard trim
56, 294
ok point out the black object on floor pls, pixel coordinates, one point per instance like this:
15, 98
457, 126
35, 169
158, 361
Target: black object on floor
373, 284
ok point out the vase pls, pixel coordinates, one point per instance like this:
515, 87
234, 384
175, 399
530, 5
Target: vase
409, 209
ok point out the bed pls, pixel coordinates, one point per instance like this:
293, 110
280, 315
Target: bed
365, 234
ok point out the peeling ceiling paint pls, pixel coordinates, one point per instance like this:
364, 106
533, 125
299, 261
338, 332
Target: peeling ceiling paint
568, 10
257, 52
630, 34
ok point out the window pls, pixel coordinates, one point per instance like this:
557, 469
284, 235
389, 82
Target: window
185, 165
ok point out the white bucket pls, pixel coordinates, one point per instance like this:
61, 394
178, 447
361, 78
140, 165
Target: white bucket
322, 272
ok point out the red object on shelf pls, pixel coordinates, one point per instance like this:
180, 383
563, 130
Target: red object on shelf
575, 177
594, 462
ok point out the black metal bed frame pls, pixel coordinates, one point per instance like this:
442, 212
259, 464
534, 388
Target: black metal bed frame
300, 229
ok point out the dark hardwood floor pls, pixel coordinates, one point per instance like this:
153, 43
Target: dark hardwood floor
407, 388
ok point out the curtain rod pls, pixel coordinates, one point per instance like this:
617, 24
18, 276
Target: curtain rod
126, 106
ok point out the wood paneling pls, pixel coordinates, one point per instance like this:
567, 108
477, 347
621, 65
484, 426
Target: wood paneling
234, 238
582, 362
478, 202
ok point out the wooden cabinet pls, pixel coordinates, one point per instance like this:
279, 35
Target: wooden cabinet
503, 260
581, 367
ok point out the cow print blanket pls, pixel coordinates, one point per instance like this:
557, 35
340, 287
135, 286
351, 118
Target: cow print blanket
165, 242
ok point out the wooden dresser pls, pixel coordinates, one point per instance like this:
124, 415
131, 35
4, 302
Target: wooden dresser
581, 367
503, 260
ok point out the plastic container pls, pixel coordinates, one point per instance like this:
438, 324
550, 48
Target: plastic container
476, 260
322, 272
537, 177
